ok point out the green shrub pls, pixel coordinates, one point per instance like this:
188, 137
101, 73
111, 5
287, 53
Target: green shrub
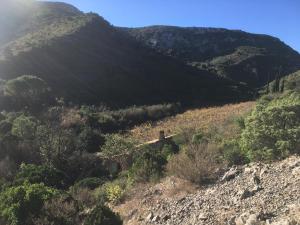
56, 145
24, 127
41, 174
116, 144
199, 138
102, 215
233, 153
27, 91
114, 192
18, 205
148, 165
168, 150
272, 131
240, 122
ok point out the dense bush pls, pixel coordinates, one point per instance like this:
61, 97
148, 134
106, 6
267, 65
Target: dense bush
148, 165
116, 144
27, 91
233, 153
24, 127
102, 215
113, 192
56, 145
272, 131
19, 204
41, 174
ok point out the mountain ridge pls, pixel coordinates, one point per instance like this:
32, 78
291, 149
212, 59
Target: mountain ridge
198, 46
87, 60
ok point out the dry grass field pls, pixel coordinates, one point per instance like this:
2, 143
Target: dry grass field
195, 119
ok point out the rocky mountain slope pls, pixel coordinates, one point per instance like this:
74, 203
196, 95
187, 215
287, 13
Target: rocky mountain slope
86, 60
241, 56
254, 194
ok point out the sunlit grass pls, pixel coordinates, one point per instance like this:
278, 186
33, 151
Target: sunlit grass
195, 119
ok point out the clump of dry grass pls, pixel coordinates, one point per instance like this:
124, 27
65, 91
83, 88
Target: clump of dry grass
197, 163
196, 119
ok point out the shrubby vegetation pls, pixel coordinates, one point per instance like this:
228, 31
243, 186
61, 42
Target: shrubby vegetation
50, 146
56, 160
27, 91
197, 163
36, 174
272, 131
20, 204
102, 215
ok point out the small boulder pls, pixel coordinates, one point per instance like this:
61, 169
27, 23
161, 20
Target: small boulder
231, 174
150, 216
247, 219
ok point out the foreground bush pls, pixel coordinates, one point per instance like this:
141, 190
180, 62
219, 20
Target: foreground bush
197, 163
272, 131
18, 205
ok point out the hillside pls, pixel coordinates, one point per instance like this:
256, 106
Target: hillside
236, 200
251, 58
20, 18
86, 60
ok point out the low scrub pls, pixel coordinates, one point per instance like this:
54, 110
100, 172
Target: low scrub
197, 163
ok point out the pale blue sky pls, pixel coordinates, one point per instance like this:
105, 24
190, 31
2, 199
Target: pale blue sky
280, 18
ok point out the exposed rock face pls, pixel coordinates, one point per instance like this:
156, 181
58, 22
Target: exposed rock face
235, 54
275, 199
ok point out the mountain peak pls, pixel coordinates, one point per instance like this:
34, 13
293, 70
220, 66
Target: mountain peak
61, 8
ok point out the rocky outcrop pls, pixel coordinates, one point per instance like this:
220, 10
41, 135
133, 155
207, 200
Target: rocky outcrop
255, 194
240, 56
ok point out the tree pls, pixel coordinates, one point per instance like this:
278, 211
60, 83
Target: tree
282, 85
18, 205
35, 174
24, 127
116, 144
27, 90
56, 145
